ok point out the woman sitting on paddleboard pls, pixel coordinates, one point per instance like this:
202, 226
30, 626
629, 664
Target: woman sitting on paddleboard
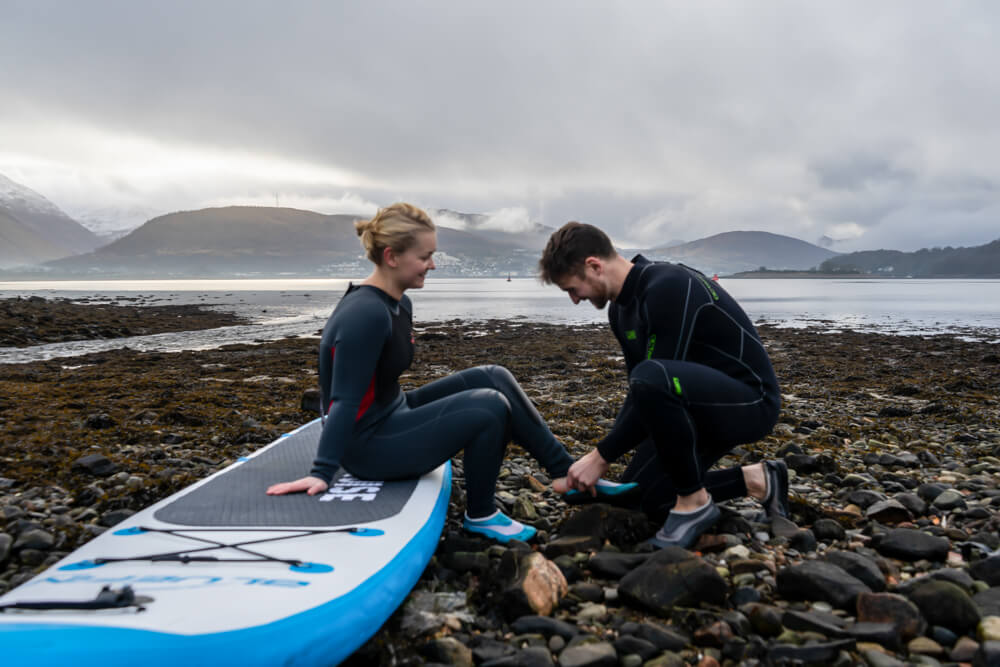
377, 431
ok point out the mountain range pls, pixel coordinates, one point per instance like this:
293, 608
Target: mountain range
34, 230
273, 241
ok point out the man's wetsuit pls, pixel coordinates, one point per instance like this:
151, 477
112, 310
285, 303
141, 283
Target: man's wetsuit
700, 383
376, 431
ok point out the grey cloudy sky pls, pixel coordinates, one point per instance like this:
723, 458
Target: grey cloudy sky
872, 124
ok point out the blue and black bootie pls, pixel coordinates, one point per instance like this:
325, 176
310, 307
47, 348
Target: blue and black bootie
607, 492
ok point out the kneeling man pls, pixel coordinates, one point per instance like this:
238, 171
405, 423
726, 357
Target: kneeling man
700, 383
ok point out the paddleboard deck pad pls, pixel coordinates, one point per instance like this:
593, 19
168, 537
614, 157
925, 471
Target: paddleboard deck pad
221, 573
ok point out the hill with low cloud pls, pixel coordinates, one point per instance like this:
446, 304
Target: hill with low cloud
732, 252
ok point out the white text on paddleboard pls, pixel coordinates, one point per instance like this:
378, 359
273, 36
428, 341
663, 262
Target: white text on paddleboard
350, 488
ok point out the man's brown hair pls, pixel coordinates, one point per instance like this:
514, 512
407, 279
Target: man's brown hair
567, 249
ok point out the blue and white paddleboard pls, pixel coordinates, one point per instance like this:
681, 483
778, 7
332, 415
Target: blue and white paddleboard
221, 573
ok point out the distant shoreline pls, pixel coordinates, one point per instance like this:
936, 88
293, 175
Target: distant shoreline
777, 275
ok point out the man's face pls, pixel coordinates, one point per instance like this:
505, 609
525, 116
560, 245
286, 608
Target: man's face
587, 287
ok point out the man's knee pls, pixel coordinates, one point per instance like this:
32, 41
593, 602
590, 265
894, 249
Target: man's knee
652, 378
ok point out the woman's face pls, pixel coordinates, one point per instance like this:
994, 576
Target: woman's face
413, 264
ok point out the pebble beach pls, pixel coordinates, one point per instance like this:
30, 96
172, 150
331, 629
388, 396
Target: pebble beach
892, 444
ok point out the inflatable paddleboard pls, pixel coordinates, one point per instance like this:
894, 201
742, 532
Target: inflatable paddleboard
222, 574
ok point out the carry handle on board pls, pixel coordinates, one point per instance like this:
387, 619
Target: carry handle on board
108, 598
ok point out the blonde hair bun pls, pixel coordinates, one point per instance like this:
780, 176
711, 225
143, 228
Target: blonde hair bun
395, 227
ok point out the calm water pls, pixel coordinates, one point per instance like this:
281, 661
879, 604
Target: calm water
294, 307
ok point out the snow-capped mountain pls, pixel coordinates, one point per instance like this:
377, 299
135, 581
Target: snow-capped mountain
111, 223
13, 195
34, 230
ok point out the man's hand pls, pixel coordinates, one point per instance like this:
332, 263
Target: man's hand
311, 485
583, 474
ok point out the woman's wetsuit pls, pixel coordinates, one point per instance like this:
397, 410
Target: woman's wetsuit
700, 383
376, 431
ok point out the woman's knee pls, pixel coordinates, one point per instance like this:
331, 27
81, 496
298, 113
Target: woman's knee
491, 401
499, 376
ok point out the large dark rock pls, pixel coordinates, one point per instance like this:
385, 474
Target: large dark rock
865, 498
910, 544
803, 464
310, 401
36, 539
664, 638
859, 567
615, 565
883, 634
988, 654
816, 580
950, 499
810, 621
888, 511
590, 654
567, 545
488, 651
912, 502
765, 619
532, 656
662, 583
891, 608
810, 654
543, 625
604, 522
99, 421
988, 601
466, 561
803, 541
928, 492
987, 569
828, 530
629, 644
95, 464
944, 603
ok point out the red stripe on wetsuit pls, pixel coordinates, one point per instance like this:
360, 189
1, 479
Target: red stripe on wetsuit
366, 400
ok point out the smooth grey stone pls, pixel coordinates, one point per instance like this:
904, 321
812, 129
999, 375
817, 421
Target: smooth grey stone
543, 625
987, 569
821, 653
95, 464
949, 500
911, 545
35, 539
856, 565
945, 603
663, 637
593, 654
817, 580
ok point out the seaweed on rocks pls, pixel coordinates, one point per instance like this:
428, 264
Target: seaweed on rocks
893, 444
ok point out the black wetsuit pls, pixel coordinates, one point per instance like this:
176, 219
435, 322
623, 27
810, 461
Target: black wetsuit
700, 383
376, 431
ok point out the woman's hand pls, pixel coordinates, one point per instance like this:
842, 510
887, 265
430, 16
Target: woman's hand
311, 485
